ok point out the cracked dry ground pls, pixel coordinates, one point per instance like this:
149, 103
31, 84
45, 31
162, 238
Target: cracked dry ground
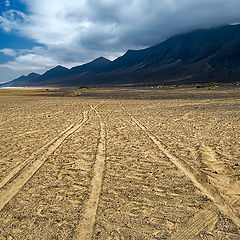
82, 168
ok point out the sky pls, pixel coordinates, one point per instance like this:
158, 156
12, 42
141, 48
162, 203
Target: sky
36, 35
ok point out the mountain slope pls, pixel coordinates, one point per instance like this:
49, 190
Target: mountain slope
189, 48
22, 81
58, 71
198, 56
96, 66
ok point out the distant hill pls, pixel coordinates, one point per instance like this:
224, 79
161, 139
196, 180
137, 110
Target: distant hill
22, 81
199, 56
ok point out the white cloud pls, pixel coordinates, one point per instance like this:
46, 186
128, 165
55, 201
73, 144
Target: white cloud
36, 59
12, 20
8, 52
31, 62
7, 3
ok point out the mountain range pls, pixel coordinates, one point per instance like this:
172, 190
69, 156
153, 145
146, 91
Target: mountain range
198, 56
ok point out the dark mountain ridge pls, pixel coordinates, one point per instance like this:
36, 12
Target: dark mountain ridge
95, 66
22, 80
199, 56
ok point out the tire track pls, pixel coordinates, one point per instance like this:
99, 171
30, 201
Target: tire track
199, 180
201, 221
209, 159
18, 168
20, 175
204, 217
85, 228
220, 174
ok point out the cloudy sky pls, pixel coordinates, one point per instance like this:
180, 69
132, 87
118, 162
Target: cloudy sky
36, 35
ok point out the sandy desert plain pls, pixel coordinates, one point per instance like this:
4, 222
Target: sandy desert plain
120, 164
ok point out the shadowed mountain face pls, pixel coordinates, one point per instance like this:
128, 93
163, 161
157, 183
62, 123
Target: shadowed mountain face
57, 72
21, 81
96, 66
198, 56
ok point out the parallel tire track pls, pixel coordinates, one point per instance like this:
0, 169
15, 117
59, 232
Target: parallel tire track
19, 176
33, 156
85, 228
200, 181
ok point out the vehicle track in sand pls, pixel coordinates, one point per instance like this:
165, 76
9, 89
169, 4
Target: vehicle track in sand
85, 228
201, 221
207, 217
199, 180
20, 166
144, 195
20, 175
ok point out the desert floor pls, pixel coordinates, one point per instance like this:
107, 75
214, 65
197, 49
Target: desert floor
120, 164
